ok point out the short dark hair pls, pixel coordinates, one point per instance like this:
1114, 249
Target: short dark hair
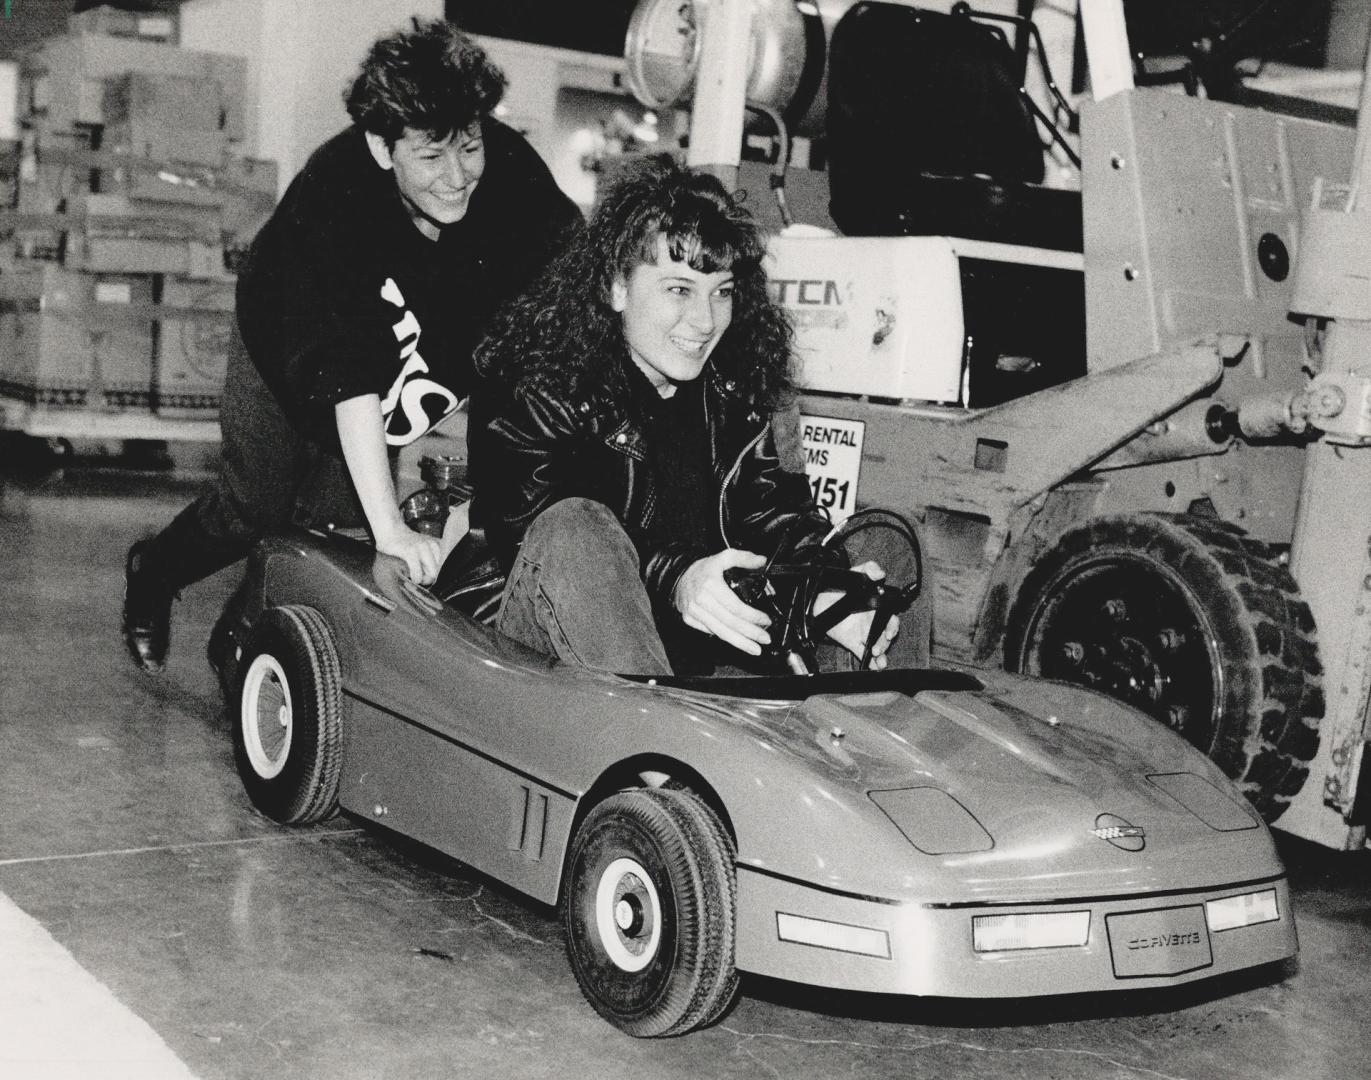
432, 79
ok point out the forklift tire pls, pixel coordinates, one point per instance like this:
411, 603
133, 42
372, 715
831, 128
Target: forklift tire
1191, 621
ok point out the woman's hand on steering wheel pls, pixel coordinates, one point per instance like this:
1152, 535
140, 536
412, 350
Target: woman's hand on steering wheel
708, 603
854, 631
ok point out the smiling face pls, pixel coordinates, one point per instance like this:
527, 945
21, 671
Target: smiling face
435, 179
673, 317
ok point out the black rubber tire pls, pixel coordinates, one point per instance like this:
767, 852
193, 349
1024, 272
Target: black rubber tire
685, 975
1195, 623
719, 986
290, 664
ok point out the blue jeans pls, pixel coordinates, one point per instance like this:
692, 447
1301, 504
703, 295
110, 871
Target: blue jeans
575, 592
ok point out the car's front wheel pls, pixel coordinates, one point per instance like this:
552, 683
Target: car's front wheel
649, 912
287, 716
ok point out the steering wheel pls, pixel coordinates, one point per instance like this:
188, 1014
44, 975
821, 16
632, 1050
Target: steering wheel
786, 591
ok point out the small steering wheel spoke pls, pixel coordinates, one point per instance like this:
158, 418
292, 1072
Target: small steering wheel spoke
857, 598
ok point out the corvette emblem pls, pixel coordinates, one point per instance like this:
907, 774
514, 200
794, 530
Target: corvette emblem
1120, 833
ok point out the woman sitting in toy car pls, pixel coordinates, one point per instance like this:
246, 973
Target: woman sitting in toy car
623, 463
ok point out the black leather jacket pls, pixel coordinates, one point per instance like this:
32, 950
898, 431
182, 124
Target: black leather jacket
538, 446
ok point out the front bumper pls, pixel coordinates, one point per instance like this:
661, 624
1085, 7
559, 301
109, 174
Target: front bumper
930, 945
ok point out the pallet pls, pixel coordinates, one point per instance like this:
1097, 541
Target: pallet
49, 423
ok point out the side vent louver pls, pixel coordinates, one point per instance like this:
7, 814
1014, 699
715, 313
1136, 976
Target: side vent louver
528, 822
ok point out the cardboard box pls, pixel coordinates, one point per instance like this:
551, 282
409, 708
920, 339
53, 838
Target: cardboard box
99, 233
185, 102
106, 214
127, 254
77, 340
121, 365
112, 234
208, 262
254, 178
66, 75
105, 19
46, 185
240, 186
192, 351
191, 186
160, 142
253, 181
9, 173
43, 359
49, 189
46, 178
243, 192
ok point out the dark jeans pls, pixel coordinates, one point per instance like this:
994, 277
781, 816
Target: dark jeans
575, 592
270, 477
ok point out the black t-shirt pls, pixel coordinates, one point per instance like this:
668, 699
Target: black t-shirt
342, 296
686, 505
685, 510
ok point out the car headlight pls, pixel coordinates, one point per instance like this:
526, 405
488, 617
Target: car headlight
1031, 930
1247, 909
825, 934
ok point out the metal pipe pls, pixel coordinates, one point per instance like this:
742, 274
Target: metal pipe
1106, 47
716, 124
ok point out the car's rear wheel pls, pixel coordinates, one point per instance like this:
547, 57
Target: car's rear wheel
1192, 621
287, 710
649, 912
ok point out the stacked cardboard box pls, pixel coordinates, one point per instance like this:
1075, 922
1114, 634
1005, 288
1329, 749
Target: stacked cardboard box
122, 209
9, 172
115, 21
73, 339
169, 117
65, 77
192, 349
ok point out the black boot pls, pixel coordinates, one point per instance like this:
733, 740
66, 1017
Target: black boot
185, 552
147, 612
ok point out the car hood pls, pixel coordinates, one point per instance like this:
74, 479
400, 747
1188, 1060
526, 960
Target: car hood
1018, 790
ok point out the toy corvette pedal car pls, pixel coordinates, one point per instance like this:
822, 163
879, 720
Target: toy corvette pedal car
922, 832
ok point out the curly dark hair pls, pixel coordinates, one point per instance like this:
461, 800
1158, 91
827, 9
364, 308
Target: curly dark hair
564, 333
432, 79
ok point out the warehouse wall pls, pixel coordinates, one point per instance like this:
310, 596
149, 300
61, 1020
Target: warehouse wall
301, 55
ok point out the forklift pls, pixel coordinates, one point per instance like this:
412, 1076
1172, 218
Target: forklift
1115, 360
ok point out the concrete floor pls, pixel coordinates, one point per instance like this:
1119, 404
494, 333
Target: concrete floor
338, 952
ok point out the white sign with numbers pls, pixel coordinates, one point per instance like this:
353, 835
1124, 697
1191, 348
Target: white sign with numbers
833, 462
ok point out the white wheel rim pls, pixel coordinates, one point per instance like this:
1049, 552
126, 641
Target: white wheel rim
268, 716
628, 915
